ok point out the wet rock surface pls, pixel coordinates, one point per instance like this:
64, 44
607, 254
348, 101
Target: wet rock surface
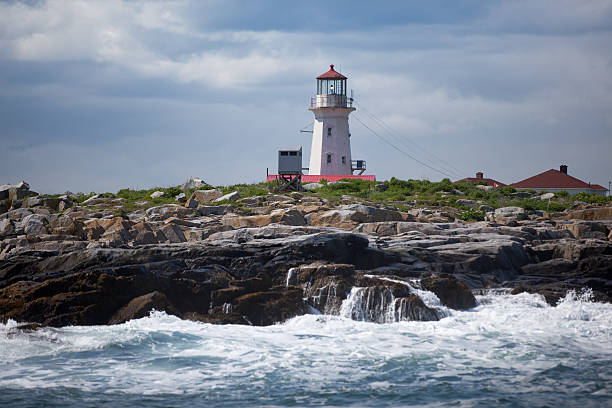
263, 260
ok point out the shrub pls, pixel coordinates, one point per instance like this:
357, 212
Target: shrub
471, 215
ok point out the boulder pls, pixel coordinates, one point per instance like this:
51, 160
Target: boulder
17, 214
269, 307
32, 202
193, 182
485, 208
173, 233
253, 201
166, 211
142, 234
191, 203
6, 227
5, 205
17, 195
92, 200
15, 192
141, 306
509, 211
587, 229
180, 198
157, 194
546, 196
64, 204
233, 196
349, 216
467, 203
312, 186
451, 291
4, 191
65, 225
208, 210
281, 216
34, 224
507, 215
206, 196
590, 214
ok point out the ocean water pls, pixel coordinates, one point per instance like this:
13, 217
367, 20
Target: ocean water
508, 351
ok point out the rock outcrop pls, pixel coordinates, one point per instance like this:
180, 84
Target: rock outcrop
261, 260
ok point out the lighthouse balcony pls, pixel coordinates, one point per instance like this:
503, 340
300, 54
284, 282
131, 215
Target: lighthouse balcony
330, 101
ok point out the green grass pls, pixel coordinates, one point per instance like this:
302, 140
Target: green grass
402, 194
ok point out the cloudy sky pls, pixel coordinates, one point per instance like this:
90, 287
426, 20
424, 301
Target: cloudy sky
102, 95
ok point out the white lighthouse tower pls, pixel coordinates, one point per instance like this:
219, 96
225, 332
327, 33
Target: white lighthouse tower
331, 139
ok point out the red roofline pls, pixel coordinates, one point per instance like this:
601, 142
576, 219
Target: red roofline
555, 179
331, 74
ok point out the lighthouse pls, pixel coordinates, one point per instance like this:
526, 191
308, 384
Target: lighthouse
330, 153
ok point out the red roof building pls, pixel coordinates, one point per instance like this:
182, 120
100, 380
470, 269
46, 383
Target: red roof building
558, 180
479, 179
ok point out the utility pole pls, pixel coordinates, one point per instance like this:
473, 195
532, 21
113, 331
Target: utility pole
609, 184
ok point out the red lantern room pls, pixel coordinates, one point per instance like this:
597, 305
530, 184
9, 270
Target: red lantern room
331, 90
331, 82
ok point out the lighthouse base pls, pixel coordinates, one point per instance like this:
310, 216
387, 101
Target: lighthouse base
313, 178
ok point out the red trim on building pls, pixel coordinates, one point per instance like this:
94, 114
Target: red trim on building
311, 178
331, 74
555, 179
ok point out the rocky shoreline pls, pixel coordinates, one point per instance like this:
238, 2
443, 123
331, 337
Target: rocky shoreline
261, 260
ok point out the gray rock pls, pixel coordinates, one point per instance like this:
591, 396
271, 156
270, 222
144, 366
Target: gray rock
181, 198
193, 182
546, 196
157, 194
34, 224
32, 202
91, 199
208, 210
233, 196
4, 191
166, 211
173, 233
509, 211
206, 196
312, 186
467, 203
191, 203
486, 208
6, 227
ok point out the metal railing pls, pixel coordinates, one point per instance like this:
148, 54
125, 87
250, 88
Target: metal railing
358, 164
330, 101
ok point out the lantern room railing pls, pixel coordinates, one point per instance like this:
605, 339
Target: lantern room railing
331, 101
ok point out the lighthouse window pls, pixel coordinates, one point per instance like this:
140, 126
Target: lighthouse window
284, 153
329, 158
343, 159
292, 153
329, 131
